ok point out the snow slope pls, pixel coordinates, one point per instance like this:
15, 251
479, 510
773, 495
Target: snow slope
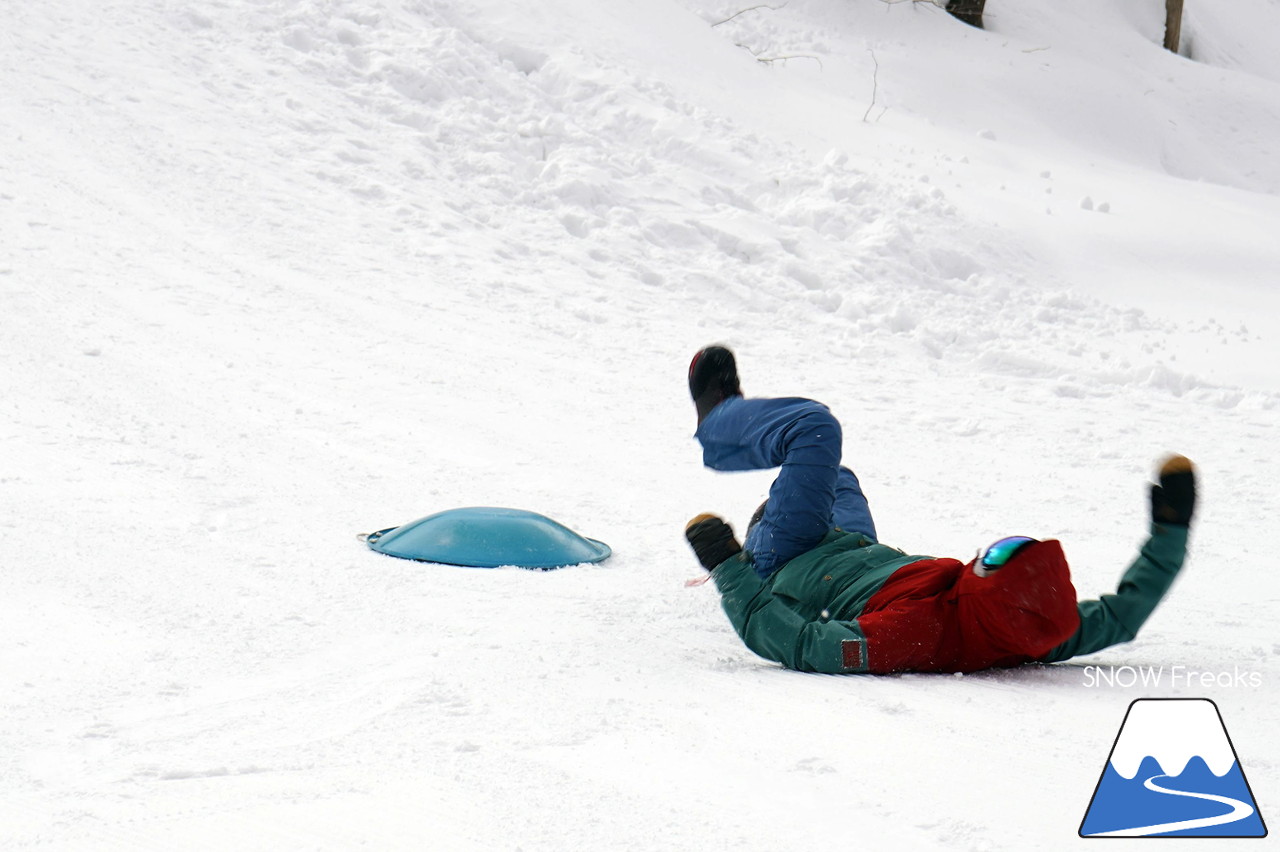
274, 273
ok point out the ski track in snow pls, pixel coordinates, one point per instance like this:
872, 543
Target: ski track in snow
274, 274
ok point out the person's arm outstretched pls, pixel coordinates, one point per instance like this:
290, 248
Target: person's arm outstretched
1116, 618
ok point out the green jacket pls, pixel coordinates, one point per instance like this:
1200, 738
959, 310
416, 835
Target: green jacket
804, 616
1116, 618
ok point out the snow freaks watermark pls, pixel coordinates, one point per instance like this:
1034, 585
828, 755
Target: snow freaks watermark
1156, 677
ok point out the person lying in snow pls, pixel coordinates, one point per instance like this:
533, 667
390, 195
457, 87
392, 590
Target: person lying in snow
813, 589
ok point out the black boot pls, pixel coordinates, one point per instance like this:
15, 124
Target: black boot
713, 378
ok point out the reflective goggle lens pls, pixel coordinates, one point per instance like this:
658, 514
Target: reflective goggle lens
1004, 549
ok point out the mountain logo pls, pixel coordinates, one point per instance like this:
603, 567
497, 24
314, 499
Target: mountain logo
1172, 772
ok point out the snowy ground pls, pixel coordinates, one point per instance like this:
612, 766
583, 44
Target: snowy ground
276, 273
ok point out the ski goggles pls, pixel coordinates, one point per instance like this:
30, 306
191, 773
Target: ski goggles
1002, 551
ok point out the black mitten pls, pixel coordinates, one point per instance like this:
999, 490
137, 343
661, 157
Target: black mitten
712, 540
1173, 501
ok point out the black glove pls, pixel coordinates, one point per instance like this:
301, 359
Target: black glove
1173, 501
712, 540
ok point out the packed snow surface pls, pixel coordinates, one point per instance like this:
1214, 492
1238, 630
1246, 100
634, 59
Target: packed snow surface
276, 273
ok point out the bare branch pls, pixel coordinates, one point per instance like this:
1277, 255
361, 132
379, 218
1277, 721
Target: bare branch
875, 83
769, 60
749, 9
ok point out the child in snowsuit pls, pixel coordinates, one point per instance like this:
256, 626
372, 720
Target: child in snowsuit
815, 591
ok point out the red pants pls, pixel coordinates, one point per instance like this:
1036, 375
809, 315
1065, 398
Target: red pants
939, 616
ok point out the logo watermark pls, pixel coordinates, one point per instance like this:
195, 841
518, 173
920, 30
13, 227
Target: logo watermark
1172, 772
1169, 677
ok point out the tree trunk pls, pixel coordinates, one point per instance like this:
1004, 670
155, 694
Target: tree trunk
970, 11
1172, 24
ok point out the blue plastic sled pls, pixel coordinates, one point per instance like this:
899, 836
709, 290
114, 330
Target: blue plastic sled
484, 537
